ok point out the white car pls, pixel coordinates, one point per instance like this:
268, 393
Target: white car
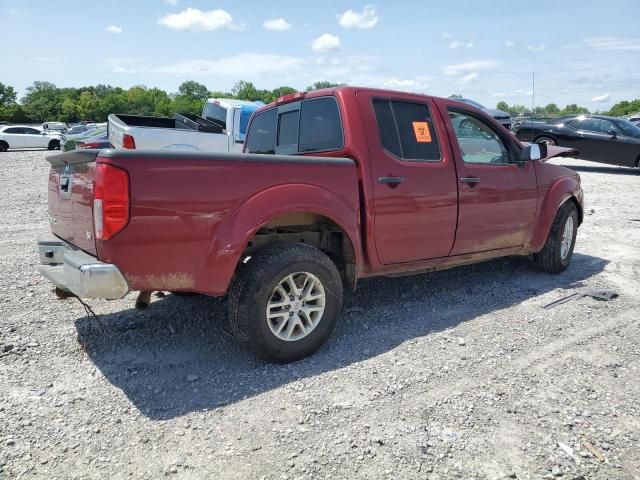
55, 126
23, 136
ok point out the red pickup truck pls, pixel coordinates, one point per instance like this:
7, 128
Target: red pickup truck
333, 186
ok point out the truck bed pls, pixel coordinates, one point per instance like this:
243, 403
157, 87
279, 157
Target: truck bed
187, 209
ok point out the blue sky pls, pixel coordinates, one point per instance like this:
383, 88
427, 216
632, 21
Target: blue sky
585, 52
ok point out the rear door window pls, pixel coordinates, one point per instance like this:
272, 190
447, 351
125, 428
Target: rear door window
262, 137
320, 126
406, 130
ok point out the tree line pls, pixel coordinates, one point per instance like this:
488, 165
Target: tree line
44, 101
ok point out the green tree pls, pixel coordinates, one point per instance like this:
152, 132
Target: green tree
552, 110
42, 102
194, 90
502, 105
323, 84
69, 110
87, 105
573, 109
457, 95
8, 104
245, 91
625, 107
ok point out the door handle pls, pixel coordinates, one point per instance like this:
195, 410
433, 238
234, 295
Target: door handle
391, 180
471, 180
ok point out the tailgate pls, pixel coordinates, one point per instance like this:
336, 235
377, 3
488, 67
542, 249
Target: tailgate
115, 130
70, 197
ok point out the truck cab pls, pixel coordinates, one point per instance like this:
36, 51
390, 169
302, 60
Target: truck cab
232, 115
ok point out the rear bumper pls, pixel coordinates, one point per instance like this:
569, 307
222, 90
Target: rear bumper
78, 272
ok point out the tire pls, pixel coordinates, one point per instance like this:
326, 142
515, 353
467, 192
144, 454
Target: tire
546, 140
556, 254
54, 145
4, 146
304, 326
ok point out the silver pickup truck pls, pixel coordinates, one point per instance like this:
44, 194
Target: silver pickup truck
221, 128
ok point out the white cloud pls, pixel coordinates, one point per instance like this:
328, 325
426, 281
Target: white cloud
516, 93
171, 2
196, 20
368, 18
326, 43
469, 45
447, 36
469, 78
235, 66
601, 98
462, 68
614, 43
409, 85
536, 48
509, 44
114, 29
277, 25
455, 44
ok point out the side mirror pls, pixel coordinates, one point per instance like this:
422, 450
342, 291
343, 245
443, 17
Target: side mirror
534, 151
43, 133
613, 133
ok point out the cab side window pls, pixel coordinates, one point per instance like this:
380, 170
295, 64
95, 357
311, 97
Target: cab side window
478, 142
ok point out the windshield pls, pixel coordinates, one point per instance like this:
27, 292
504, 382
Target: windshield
628, 128
471, 102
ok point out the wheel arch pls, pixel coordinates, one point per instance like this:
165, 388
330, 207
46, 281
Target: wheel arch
565, 189
313, 214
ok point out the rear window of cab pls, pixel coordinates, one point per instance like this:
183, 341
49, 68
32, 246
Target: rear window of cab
306, 126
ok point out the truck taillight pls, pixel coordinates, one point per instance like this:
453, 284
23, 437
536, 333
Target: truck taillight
110, 200
128, 142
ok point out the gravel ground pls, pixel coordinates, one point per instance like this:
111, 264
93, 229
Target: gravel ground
457, 374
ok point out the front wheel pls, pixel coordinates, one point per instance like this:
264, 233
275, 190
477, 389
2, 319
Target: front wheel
556, 254
284, 303
54, 145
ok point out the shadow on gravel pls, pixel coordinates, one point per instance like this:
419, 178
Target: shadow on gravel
599, 169
174, 358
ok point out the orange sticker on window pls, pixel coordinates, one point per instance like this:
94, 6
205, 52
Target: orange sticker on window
421, 129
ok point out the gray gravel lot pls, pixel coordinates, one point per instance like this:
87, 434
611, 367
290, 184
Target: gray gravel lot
456, 374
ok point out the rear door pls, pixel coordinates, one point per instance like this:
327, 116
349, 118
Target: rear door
413, 178
498, 196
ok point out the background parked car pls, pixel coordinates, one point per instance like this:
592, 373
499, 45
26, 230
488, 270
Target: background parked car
55, 126
598, 138
24, 136
76, 129
69, 141
100, 141
502, 117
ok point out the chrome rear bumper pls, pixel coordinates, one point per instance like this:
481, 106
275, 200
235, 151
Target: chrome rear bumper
78, 272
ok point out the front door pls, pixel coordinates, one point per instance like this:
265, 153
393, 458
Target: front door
413, 178
34, 138
498, 195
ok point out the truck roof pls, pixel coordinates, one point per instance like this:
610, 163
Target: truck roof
334, 91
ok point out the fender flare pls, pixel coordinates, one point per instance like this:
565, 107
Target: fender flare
563, 190
241, 223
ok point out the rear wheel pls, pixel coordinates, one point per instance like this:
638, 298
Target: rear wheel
556, 254
54, 145
285, 302
4, 146
546, 140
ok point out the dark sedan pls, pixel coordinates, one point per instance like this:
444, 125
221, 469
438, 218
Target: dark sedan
598, 138
503, 118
